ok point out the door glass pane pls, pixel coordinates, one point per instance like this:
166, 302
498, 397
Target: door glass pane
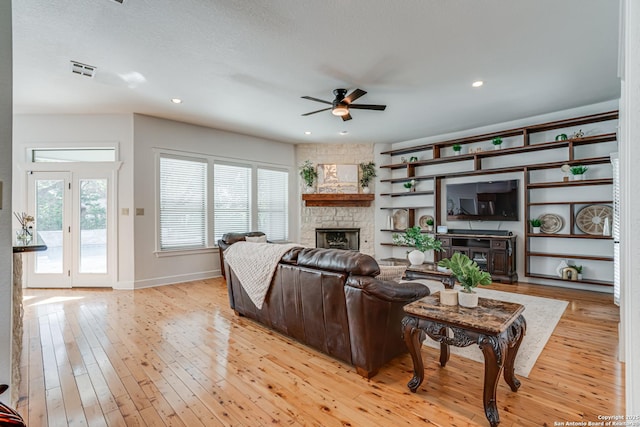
49, 222
93, 226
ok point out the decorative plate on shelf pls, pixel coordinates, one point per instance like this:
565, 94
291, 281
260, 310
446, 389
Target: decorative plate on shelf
423, 221
400, 219
551, 223
591, 218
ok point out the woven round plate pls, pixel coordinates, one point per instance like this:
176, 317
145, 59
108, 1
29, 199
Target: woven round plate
551, 223
591, 218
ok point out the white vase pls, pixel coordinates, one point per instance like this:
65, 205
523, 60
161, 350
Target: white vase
456, 153
606, 227
309, 189
448, 297
467, 299
536, 230
497, 147
416, 257
578, 177
366, 190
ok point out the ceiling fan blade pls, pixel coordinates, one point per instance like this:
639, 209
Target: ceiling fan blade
354, 95
346, 117
368, 107
311, 98
313, 112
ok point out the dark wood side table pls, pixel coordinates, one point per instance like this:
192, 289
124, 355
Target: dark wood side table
496, 326
427, 270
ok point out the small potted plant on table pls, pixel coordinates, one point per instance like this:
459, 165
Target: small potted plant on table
421, 242
469, 274
368, 173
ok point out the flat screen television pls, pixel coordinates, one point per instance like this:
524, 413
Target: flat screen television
483, 201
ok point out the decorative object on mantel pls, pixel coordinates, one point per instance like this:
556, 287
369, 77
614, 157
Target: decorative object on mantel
565, 172
333, 178
551, 223
26, 226
368, 172
578, 172
497, 143
309, 174
591, 219
535, 225
410, 185
414, 238
470, 276
457, 148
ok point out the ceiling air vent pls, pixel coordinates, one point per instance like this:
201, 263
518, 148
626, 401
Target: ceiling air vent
83, 69
119, 1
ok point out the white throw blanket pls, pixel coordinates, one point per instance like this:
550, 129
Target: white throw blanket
254, 264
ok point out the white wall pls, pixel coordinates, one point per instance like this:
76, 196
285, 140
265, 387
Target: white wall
6, 251
60, 130
630, 203
152, 133
603, 270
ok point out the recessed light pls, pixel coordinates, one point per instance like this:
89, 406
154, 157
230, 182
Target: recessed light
477, 83
343, 132
176, 100
308, 132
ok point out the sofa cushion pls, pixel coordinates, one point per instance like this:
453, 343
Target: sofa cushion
341, 261
256, 239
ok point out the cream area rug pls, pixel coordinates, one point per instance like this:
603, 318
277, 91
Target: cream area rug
542, 316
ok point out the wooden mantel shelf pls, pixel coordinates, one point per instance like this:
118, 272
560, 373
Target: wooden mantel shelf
343, 200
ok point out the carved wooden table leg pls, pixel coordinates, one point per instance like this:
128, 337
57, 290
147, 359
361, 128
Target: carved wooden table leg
494, 349
444, 349
413, 337
516, 332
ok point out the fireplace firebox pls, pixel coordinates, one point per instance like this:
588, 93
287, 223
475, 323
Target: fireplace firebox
338, 238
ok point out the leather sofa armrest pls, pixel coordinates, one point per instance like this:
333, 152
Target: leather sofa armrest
404, 292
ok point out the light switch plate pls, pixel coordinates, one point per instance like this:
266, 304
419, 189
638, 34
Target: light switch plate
139, 211
125, 211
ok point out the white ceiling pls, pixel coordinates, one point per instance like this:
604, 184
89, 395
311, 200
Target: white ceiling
242, 65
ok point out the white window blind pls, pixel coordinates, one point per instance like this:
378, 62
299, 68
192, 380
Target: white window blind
273, 209
231, 199
183, 203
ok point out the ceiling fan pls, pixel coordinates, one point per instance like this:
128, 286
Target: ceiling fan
341, 105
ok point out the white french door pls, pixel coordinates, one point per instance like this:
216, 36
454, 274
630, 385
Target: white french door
73, 215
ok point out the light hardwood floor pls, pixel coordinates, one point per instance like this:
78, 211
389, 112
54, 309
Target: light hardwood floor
178, 356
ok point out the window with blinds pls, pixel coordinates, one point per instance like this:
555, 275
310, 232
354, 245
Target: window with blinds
183, 203
231, 199
272, 200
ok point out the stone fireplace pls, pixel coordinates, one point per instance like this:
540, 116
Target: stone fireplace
338, 238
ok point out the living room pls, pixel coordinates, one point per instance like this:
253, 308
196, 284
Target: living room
142, 136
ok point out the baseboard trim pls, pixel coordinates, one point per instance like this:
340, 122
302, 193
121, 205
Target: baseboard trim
171, 280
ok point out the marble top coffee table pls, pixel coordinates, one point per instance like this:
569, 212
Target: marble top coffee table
497, 327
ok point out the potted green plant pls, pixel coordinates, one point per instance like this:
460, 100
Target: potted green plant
368, 172
578, 172
579, 270
410, 185
456, 149
309, 174
535, 225
429, 223
421, 242
469, 275
497, 143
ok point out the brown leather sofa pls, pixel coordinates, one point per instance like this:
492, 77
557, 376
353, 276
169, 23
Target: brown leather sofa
329, 299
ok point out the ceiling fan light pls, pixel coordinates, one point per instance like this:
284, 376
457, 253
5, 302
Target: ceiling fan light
340, 110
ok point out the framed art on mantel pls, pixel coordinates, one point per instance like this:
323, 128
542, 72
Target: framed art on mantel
337, 179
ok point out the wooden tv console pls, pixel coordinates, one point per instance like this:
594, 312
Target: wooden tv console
494, 251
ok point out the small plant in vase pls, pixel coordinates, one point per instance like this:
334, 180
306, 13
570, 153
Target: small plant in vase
535, 225
457, 148
469, 275
309, 174
578, 172
410, 185
497, 143
429, 223
421, 242
579, 269
368, 172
